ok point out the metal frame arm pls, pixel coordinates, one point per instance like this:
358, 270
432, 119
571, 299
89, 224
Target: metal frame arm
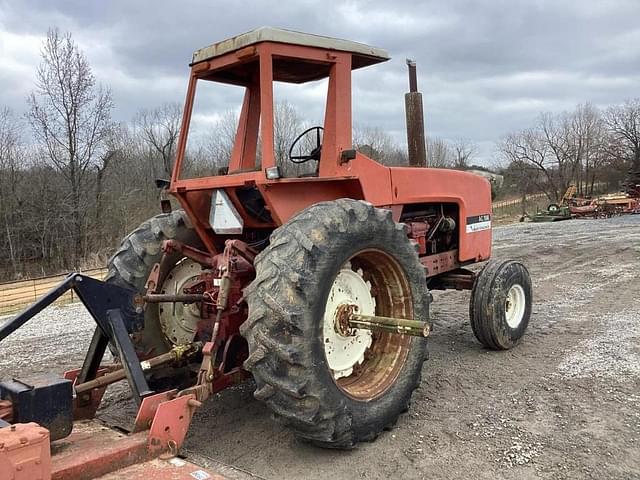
116, 314
98, 297
128, 357
19, 320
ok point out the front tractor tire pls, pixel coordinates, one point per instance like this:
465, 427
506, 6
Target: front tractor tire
332, 389
500, 306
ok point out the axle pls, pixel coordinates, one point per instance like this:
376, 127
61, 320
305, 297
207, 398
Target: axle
402, 326
166, 298
347, 320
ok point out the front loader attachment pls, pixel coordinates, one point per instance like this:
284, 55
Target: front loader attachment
46, 426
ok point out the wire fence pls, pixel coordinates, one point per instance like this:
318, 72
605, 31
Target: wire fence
517, 201
14, 296
598, 187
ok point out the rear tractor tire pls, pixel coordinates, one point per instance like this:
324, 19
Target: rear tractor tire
500, 306
131, 265
330, 388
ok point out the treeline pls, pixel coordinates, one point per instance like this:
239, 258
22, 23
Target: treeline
588, 147
73, 182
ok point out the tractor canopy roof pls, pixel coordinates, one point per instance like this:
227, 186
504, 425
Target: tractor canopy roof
361, 55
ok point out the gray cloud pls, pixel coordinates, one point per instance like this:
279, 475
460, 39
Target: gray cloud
486, 67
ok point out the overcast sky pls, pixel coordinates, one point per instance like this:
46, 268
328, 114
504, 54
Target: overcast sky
485, 67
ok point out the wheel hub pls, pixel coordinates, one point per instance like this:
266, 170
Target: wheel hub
179, 321
514, 306
342, 319
345, 347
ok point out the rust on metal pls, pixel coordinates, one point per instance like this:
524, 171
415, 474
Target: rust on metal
413, 76
148, 409
440, 262
24, 452
85, 406
167, 298
203, 258
459, 279
6, 410
347, 320
93, 450
153, 279
415, 120
170, 425
174, 355
173, 469
388, 352
343, 315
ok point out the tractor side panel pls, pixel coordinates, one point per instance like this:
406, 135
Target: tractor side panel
361, 179
286, 198
196, 204
470, 192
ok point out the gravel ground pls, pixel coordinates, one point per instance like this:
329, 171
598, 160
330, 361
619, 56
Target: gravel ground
564, 404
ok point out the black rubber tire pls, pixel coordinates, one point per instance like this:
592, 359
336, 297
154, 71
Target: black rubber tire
131, 265
284, 327
488, 297
553, 207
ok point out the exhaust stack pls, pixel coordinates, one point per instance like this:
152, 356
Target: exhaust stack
415, 120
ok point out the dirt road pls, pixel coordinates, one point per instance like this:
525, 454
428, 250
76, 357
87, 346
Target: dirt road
564, 404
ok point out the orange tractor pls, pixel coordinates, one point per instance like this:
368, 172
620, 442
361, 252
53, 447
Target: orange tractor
317, 285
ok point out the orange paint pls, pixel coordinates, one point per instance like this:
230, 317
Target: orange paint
256, 68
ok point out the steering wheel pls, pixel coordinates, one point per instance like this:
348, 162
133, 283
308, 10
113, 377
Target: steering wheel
315, 152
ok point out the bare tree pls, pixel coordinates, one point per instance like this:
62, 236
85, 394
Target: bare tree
527, 150
160, 128
553, 150
439, 154
9, 134
378, 145
575, 141
113, 146
216, 147
10, 159
520, 178
287, 125
463, 152
588, 137
623, 122
70, 116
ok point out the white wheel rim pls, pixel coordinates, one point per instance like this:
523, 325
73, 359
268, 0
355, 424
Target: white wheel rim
514, 306
344, 352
